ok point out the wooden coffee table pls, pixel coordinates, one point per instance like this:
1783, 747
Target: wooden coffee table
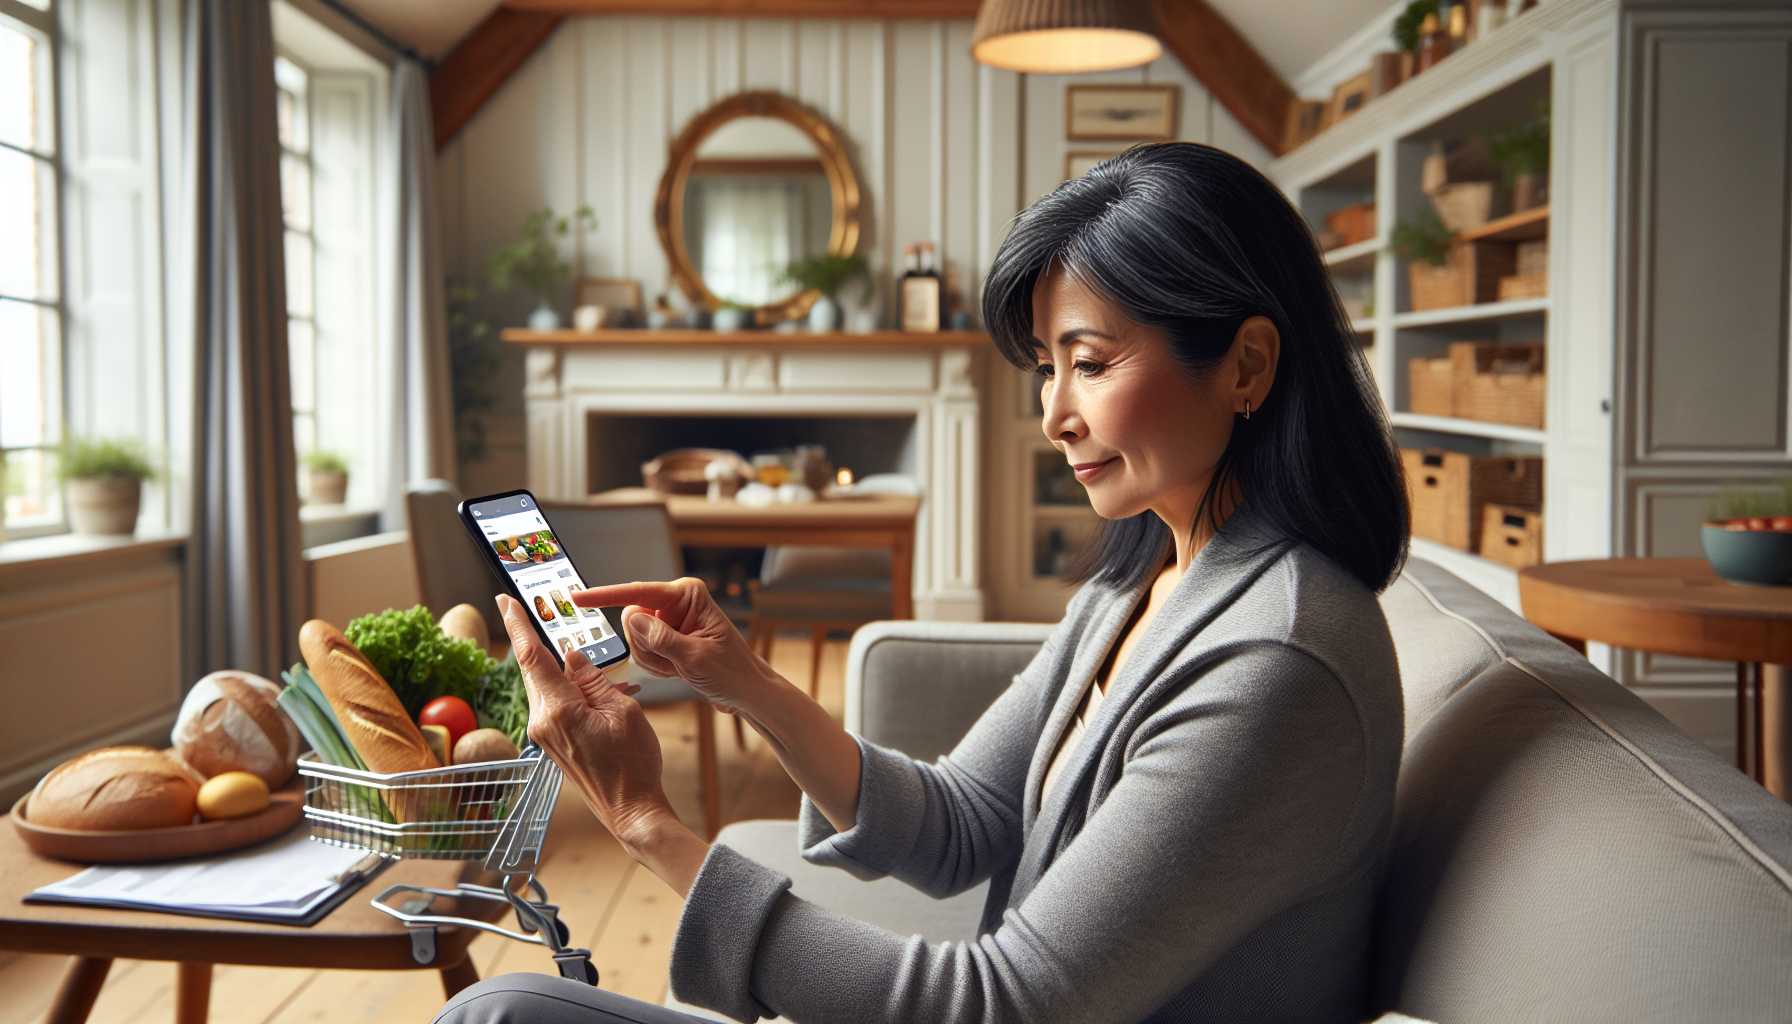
1680, 606
354, 935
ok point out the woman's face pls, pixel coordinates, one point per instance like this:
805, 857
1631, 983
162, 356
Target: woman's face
1114, 396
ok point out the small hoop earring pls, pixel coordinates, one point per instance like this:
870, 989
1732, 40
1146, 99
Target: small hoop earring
1247, 408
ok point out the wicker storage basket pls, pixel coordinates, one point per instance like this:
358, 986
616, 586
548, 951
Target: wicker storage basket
1498, 383
1448, 489
1471, 275
1511, 535
1352, 224
1464, 206
1431, 387
680, 471
1533, 258
1522, 286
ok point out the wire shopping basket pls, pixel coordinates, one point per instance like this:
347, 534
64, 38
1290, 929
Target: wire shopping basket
497, 811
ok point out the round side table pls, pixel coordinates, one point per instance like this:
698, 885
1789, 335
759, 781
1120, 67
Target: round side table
1680, 606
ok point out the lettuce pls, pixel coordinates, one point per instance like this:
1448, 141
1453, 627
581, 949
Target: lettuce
422, 663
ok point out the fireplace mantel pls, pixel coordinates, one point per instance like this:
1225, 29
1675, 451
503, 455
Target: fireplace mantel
573, 380
762, 338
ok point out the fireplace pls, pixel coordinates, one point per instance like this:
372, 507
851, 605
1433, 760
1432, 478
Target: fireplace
598, 409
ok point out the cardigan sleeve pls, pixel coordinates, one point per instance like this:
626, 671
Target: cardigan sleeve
946, 826
1231, 807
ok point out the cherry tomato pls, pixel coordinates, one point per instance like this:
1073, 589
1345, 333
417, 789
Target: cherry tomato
452, 712
1757, 523
1782, 522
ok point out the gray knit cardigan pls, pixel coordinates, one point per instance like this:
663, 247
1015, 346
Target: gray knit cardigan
1211, 851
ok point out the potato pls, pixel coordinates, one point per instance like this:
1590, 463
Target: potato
484, 745
464, 621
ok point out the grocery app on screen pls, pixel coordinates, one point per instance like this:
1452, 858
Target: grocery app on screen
528, 550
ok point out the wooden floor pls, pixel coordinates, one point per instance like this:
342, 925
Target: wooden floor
622, 912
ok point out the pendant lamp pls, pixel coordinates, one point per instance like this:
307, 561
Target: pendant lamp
1065, 37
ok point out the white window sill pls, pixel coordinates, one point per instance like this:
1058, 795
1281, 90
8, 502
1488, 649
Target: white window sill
320, 525
62, 547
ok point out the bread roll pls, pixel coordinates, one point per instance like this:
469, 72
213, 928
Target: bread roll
376, 723
230, 722
115, 789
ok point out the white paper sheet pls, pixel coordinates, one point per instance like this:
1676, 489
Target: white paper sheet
288, 875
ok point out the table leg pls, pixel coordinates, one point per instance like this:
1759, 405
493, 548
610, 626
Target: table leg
80, 987
1776, 731
902, 575
1742, 718
707, 767
192, 992
459, 976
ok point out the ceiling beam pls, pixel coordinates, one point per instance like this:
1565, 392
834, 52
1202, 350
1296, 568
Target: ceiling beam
759, 8
1221, 59
1228, 66
481, 62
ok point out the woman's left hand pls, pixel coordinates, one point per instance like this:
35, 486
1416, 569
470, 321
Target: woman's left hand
594, 731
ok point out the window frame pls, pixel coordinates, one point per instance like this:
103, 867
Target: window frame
43, 22
309, 233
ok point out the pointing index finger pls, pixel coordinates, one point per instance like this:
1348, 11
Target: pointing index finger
618, 594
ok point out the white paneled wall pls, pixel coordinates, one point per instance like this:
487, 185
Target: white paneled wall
946, 150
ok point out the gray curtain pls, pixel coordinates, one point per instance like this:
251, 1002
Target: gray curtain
245, 591
418, 414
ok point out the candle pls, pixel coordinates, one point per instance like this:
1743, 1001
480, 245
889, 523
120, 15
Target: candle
843, 477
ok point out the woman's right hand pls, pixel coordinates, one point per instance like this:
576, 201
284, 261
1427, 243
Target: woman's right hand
675, 629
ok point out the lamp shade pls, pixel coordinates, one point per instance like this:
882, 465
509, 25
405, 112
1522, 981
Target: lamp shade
1065, 37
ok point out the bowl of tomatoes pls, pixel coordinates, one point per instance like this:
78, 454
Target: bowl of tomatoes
1750, 549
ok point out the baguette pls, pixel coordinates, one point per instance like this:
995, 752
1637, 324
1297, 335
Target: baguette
371, 715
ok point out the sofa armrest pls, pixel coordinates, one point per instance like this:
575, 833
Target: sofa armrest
918, 687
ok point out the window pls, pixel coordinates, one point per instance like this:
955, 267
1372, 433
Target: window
31, 389
293, 112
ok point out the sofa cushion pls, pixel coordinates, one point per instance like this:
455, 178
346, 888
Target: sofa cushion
1561, 851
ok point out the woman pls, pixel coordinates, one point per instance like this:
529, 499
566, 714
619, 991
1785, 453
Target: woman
1182, 802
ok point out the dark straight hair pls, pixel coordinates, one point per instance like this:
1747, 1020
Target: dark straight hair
1193, 241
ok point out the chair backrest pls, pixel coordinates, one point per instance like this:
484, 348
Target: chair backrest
617, 543
450, 569
1560, 850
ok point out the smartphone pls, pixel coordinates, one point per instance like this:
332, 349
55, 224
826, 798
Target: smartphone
531, 562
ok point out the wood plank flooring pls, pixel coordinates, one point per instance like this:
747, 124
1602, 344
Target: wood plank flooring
616, 908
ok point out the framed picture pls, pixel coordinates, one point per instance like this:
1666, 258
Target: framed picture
1078, 161
619, 298
1304, 120
1146, 113
1351, 95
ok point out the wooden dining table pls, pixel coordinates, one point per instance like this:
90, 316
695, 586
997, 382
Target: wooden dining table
352, 936
884, 521
1680, 606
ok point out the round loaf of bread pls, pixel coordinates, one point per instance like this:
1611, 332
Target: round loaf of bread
231, 722
115, 789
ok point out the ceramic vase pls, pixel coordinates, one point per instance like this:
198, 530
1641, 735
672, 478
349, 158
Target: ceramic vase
824, 316
545, 318
104, 506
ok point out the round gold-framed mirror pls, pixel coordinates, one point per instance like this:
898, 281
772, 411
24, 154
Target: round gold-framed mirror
753, 183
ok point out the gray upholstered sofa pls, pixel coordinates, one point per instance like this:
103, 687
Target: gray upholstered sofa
1561, 851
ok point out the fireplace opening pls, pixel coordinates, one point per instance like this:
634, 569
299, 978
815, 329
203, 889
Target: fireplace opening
619, 444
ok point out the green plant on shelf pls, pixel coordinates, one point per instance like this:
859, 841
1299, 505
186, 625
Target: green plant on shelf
85, 459
1424, 239
1406, 24
1524, 148
827, 274
533, 260
324, 462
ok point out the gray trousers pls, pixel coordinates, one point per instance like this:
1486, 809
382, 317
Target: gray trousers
549, 999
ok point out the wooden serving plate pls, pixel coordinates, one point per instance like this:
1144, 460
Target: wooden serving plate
137, 846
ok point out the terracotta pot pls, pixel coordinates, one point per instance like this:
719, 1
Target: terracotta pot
328, 488
104, 506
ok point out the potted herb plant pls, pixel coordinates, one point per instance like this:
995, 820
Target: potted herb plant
1522, 154
827, 275
1436, 274
326, 477
1747, 534
102, 482
1406, 34
533, 262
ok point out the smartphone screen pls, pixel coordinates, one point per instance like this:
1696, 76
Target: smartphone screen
519, 541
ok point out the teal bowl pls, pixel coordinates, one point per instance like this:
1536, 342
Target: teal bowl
1749, 556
